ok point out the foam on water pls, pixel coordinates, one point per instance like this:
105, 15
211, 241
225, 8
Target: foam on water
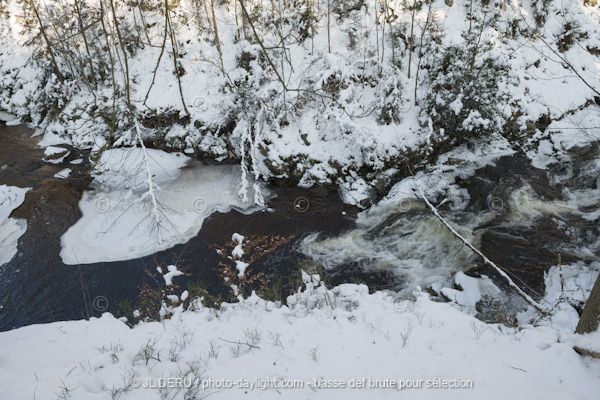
401, 236
414, 246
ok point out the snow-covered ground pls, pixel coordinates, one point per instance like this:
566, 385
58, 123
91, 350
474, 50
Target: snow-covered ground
11, 229
328, 344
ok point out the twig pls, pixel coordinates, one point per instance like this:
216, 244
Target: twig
240, 343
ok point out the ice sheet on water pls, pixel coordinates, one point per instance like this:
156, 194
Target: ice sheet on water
11, 229
117, 221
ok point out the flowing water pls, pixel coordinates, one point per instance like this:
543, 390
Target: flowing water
521, 217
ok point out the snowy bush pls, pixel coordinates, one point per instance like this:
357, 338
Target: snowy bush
466, 96
570, 34
392, 101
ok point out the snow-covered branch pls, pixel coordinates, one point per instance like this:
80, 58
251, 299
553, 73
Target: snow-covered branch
486, 260
152, 187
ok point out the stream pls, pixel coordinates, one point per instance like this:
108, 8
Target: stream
521, 217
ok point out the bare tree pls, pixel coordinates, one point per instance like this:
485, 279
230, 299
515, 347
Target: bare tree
85, 41
178, 71
124, 51
48, 44
216, 33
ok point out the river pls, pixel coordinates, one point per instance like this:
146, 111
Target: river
535, 215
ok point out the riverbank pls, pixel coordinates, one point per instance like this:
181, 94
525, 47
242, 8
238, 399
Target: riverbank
342, 343
497, 201
355, 103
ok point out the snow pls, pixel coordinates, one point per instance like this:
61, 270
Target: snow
324, 141
236, 237
238, 251
116, 225
567, 286
144, 200
173, 272
340, 337
438, 180
241, 267
11, 229
472, 291
13, 122
6, 117
55, 155
63, 174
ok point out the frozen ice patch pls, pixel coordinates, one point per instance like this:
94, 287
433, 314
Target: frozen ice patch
64, 174
55, 155
122, 220
11, 229
6, 117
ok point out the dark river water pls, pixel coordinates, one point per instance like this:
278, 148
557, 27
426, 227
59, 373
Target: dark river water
37, 287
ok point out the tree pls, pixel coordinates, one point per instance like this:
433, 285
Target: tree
590, 318
465, 100
48, 44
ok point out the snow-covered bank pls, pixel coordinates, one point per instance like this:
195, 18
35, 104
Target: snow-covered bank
134, 211
11, 229
343, 337
352, 91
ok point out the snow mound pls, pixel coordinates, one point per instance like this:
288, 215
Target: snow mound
55, 155
342, 343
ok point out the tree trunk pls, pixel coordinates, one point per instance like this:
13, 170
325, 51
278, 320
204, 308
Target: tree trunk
329, 26
87, 48
590, 318
112, 72
175, 51
412, 28
43, 32
216, 33
123, 49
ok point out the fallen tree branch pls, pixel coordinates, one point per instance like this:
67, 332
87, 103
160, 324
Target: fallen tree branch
486, 260
152, 187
